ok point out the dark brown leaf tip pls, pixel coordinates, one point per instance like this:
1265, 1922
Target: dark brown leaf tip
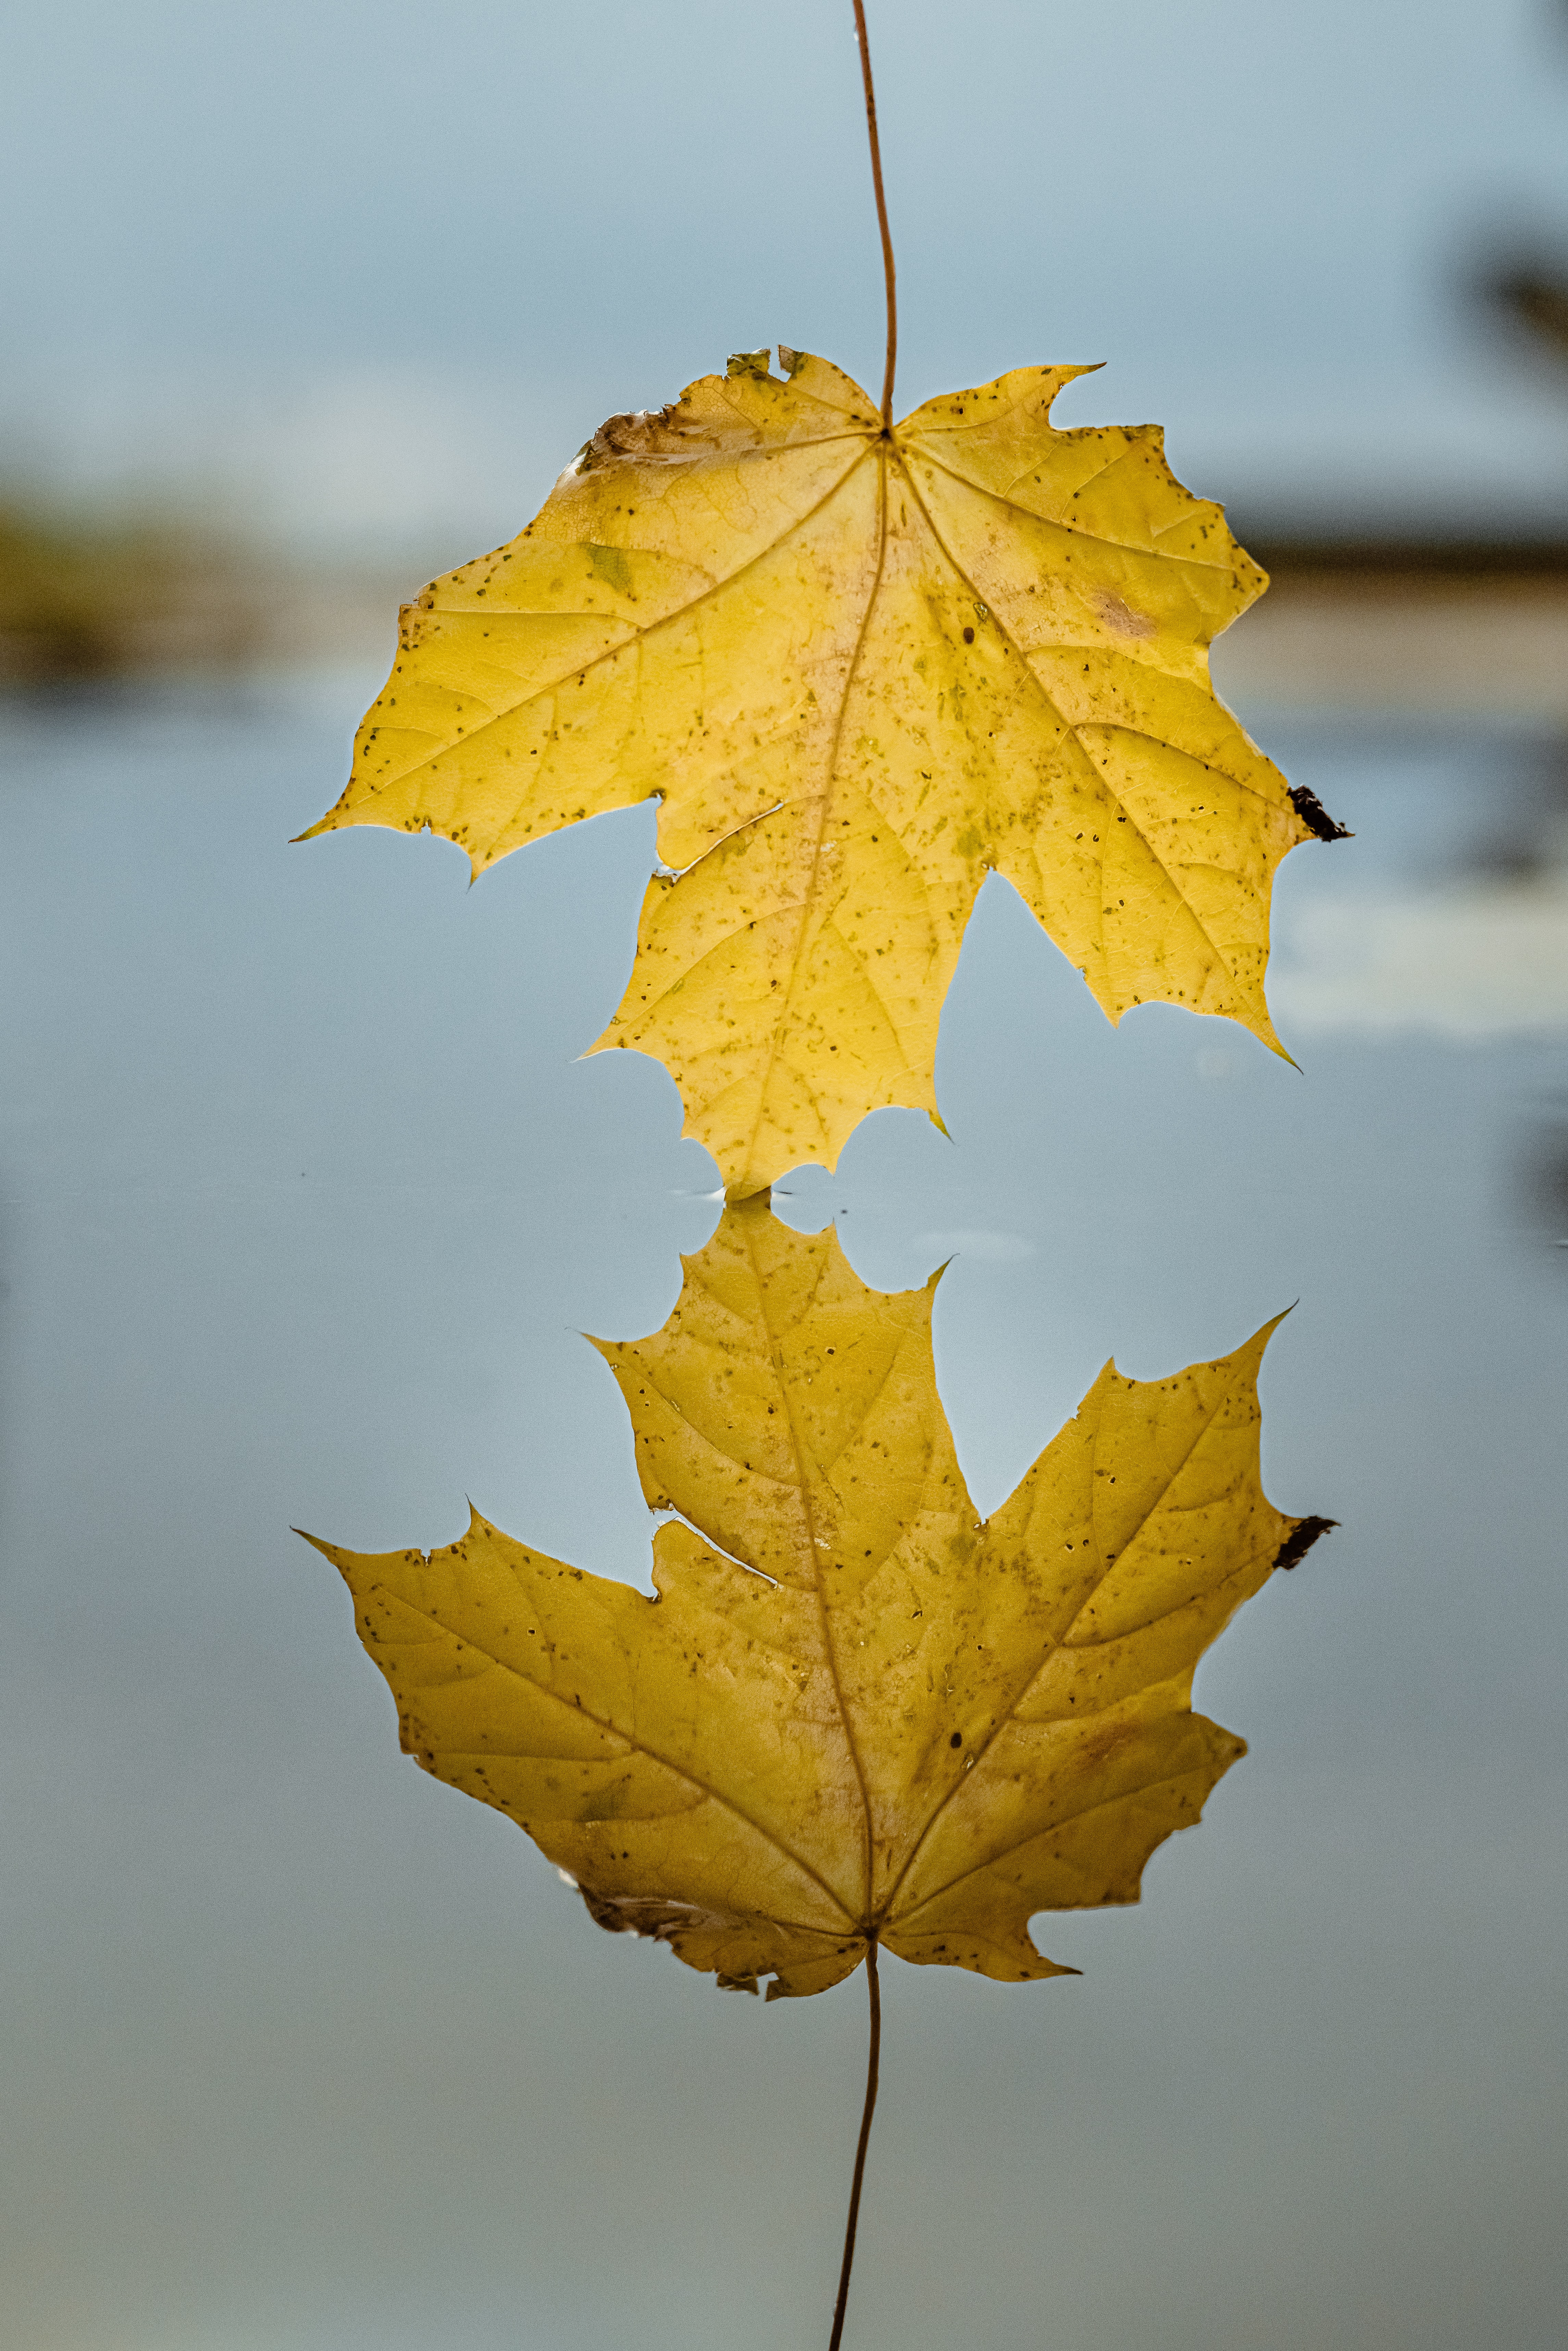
1315, 817
1299, 1542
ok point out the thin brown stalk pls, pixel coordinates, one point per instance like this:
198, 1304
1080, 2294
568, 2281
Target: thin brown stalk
863, 39
870, 2073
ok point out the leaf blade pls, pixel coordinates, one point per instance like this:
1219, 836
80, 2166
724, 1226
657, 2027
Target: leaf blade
853, 1709
860, 673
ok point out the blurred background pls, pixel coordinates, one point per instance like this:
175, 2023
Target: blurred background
334, 291
306, 1194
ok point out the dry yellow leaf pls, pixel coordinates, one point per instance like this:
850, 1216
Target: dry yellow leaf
860, 670
855, 1709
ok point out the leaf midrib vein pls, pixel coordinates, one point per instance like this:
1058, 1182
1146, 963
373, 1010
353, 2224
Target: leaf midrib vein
813, 1553
829, 778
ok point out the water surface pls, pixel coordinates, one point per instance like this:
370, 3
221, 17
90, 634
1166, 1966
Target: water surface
304, 1199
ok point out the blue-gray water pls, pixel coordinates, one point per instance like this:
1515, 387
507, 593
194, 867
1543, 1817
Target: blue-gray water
303, 1197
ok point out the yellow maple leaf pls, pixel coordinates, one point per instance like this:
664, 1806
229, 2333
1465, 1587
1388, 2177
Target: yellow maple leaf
860, 670
855, 1710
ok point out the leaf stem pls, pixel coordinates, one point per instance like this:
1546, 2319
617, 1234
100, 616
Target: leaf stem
861, 35
870, 2073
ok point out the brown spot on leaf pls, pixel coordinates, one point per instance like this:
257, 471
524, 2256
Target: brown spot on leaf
1122, 616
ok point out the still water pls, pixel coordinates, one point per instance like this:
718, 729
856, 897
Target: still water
305, 1197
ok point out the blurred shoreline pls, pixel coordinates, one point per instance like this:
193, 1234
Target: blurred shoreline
1437, 625
1434, 624
87, 605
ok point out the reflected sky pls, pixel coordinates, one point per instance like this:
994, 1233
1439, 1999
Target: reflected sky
306, 1201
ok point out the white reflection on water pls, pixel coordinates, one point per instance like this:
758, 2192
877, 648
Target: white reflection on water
1489, 960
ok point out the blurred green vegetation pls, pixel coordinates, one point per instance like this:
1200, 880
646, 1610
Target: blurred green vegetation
79, 601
